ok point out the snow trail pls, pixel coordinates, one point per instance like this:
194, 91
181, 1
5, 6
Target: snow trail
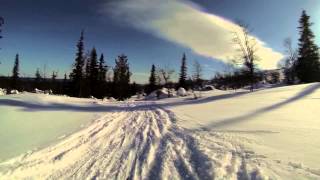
135, 144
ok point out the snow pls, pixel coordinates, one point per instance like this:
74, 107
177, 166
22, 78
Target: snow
268, 134
14, 91
3, 92
182, 92
159, 94
27, 122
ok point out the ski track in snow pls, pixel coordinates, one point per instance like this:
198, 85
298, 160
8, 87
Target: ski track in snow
139, 143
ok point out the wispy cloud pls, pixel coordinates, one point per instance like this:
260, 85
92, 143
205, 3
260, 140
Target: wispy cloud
187, 24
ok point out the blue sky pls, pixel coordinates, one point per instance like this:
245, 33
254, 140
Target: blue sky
45, 32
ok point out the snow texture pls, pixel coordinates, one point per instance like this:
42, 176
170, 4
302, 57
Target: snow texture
267, 134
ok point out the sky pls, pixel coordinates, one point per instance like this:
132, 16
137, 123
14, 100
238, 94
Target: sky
45, 32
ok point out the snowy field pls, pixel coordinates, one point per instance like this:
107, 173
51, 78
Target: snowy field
268, 134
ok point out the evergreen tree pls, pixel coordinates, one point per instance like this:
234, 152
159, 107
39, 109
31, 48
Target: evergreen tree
183, 72
86, 80
307, 67
15, 73
87, 65
53, 81
152, 86
102, 84
102, 69
77, 73
64, 88
54, 76
121, 78
94, 72
38, 78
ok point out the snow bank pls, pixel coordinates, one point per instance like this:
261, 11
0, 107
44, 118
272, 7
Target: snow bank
29, 121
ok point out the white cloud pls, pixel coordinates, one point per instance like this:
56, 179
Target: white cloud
185, 23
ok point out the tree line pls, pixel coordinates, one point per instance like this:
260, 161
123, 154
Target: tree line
90, 77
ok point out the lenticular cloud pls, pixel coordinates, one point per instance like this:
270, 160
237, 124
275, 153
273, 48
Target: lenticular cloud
187, 24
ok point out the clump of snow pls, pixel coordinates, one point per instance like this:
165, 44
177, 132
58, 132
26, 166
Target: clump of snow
161, 94
182, 92
14, 91
38, 91
3, 92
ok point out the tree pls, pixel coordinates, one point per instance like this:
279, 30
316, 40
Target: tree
121, 78
183, 72
76, 75
152, 86
248, 52
54, 76
308, 66
102, 69
290, 62
64, 88
94, 72
102, 72
38, 78
197, 74
165, 74
15, 73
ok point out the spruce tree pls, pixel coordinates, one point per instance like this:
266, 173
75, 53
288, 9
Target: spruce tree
183, 72
307, 67
53, 81
102, 85
64, 88
152, 80
94, 72
38, 78
15, 73
86, 76
87, 65
76, 75
102, 69
121, 78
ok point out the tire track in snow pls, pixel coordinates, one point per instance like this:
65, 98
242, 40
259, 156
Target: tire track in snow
134, 144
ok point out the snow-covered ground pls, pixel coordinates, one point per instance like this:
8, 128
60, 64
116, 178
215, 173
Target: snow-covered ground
30, 121
267, 134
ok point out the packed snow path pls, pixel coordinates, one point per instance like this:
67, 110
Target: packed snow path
136, 144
